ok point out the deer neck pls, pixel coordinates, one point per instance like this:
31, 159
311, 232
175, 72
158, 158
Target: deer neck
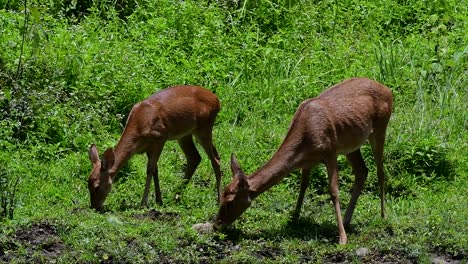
123, 152
280, 165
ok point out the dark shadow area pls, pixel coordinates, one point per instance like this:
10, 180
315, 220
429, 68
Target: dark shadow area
302, 228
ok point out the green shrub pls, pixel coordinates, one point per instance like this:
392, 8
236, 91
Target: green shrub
412, 165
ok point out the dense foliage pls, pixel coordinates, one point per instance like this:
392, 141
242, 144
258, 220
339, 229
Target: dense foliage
70, 71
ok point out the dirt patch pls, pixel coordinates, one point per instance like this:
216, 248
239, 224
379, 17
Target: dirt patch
216, 250
387, 257
155, 215
269, 253
41, 237
212, 251
5, 248
338, 257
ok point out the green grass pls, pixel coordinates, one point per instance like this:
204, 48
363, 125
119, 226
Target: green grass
83, 67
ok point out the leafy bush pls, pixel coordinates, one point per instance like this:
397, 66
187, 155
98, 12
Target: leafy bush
410, 166
427, 161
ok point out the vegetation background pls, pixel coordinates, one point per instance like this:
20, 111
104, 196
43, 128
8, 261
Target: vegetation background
70, 71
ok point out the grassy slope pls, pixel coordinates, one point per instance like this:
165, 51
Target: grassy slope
262, 60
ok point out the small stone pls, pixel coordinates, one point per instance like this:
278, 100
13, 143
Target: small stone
203, 228
361, 252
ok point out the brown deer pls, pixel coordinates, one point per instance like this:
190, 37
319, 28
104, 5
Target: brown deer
175, 113
338, 121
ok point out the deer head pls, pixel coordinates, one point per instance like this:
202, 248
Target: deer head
100, 180
236, 197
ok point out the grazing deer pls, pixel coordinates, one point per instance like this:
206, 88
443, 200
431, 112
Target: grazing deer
338, 121
175, 113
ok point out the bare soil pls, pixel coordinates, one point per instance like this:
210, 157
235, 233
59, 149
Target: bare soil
40, 241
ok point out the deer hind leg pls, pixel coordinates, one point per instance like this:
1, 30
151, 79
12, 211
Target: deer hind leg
152, 172
360, 171
377, 141
300, 199
332, 170
206, 140
193, 159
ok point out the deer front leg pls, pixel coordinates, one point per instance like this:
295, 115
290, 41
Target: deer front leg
144, 200
156, 184
332, 169
152, 172
300, 199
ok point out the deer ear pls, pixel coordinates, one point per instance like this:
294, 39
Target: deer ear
235, 168
243, 184
108, 160
93, 154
